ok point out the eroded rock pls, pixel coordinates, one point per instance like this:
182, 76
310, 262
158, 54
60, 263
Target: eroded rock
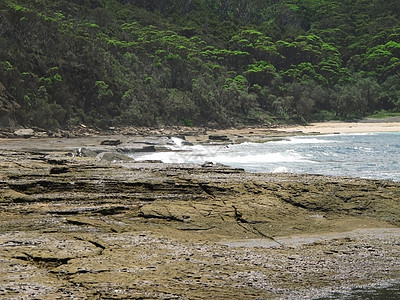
80, 227
111, 156
24, 132
113, 142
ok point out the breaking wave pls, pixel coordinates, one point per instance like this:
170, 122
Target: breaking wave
372, 155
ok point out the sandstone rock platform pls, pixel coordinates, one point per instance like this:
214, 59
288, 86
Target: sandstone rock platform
83, 228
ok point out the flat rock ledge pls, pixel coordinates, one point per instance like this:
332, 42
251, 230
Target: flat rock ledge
74, 227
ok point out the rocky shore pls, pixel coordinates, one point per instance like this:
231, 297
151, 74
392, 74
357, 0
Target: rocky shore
80, 219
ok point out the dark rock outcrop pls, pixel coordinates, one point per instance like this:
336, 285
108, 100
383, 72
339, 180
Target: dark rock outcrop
113, 142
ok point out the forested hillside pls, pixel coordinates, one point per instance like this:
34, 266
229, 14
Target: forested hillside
197, 62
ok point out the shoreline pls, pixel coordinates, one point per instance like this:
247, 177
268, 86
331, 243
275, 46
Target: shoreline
200, 134
391, 124
87, 226
347, 127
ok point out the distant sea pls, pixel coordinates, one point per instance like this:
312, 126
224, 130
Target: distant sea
367, 155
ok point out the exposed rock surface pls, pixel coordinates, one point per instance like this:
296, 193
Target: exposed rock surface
111, 142
111, 156
24, 132
78, 227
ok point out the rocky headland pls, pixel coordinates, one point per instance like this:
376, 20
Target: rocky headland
80, 219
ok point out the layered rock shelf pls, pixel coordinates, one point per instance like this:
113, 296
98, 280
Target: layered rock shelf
81, 227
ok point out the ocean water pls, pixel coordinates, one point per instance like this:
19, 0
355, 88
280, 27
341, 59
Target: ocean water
368, 155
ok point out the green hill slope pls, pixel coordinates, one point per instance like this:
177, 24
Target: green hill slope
200, 62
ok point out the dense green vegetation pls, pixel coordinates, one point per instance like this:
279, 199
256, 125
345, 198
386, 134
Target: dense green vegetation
199, 62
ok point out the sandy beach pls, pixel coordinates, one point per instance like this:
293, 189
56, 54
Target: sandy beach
363, 126
391, 124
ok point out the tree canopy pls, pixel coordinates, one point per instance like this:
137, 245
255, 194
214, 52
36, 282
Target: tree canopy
198, 62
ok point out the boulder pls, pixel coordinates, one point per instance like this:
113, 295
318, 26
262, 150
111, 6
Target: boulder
111, 142
24, 132
111, 156
84, 152
218, 137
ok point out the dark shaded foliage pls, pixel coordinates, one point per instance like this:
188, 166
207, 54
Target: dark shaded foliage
198, 62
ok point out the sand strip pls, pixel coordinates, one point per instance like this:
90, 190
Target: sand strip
346, 127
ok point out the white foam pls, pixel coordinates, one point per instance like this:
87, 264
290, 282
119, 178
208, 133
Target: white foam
339, 155
280, 170
178, 142
300, 140
287, 156
200, 155
165, 157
